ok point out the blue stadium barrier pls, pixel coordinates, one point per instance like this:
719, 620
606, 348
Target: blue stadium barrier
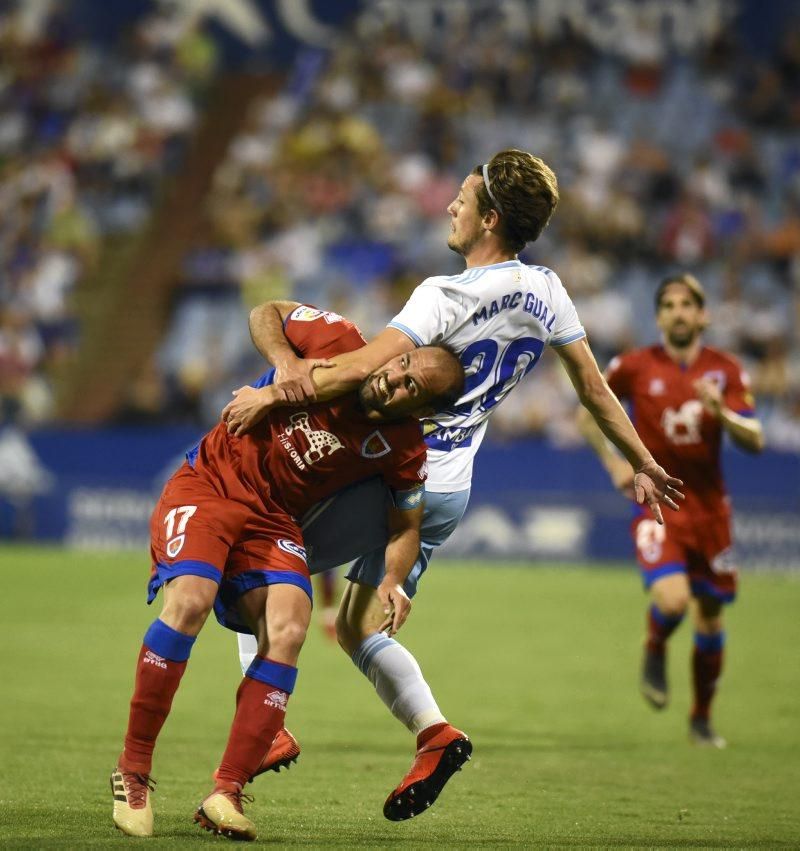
530, 500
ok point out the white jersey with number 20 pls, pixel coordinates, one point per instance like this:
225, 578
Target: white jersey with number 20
498, 319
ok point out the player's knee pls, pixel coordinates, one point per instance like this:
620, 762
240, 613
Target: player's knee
673, 605
348, 636
187, 611
287, 638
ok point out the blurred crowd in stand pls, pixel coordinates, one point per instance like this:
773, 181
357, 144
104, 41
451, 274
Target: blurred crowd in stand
87, 135
335, 192
665, 162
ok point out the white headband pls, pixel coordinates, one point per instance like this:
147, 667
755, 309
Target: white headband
488, 188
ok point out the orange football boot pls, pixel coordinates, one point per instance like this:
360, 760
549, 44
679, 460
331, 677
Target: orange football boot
441, 751
283, 751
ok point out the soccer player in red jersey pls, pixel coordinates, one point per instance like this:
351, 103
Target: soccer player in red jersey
224, 535
684, 396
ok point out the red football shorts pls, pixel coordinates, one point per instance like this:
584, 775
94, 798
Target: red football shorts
239, 541
699, 546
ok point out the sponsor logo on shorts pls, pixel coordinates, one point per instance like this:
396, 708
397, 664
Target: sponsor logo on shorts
277, 700
724, 562
292, 548
151, 658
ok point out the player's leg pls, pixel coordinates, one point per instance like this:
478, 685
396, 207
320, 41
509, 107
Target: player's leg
279, 615
401, 687
188, 528
160, 667
395, 673
707, 660
662, 561
326, 594
713, 577
336, 531
266, 589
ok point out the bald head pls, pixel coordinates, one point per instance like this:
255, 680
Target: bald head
415, 383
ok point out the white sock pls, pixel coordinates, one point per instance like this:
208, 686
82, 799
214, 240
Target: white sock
399, 682
248, 647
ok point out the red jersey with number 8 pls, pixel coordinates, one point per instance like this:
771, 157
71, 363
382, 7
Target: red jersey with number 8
672, 421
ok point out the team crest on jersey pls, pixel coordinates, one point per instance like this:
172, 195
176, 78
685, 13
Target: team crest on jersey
320, 443
289, 546
375, 446
657, 387
175, 545
717, 376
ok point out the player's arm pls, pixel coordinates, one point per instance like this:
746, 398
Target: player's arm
652, 484
348, 370
619, 470
745, 432
404, 519
336, 376
293, 373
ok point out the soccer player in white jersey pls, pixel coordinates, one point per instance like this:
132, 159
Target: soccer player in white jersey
497, 316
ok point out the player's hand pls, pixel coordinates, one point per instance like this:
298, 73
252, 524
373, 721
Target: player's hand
396, 605
294, 378
248, 407
653, 485
622, 477
710, 395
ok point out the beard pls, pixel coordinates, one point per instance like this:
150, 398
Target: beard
682, 336
461, 246
368, 401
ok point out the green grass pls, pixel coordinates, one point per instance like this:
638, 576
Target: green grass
538, 665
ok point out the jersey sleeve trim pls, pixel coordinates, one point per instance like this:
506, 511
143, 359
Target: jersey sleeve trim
415, 338
263, 380
578, 335
407, 500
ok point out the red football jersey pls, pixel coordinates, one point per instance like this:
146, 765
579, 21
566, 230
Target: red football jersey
296, 457
672, 422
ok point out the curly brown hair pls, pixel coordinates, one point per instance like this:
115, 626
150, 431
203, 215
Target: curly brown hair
526, 191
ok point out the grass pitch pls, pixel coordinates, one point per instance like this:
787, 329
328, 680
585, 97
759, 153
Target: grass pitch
539, 666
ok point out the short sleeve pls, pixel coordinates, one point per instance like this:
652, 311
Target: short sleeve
320, 333
429, 315
620, 374
567, 328
409, 470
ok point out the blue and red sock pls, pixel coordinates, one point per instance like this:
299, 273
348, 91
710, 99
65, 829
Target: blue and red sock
161, 664
707, 662
659, 628
260, 711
